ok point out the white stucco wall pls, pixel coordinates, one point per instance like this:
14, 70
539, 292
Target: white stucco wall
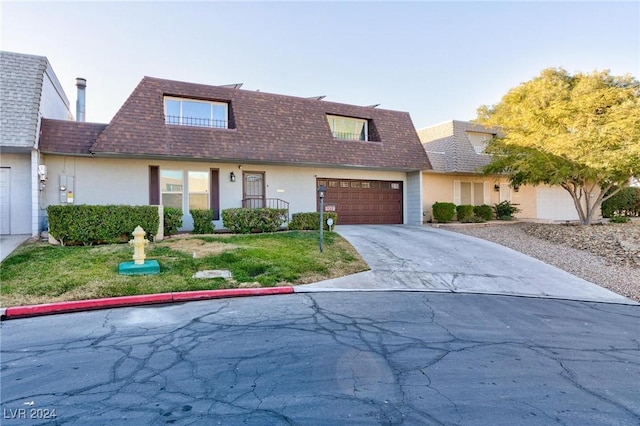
115, 181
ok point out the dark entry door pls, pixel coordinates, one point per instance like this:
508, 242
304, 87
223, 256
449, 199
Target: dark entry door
253, 191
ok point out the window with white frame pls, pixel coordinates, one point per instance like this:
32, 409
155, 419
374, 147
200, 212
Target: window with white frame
198, 190
470, 193
173, 189
479, 141
348, 128
191, 112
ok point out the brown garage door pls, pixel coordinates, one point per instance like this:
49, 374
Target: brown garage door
363, 201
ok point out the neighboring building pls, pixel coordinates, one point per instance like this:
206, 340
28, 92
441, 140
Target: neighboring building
456, 152
196, 146
29, 91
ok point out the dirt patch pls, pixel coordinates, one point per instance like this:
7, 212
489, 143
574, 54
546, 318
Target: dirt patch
199, 247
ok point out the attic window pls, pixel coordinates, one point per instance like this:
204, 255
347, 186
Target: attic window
479, 141
348, 128
191, 112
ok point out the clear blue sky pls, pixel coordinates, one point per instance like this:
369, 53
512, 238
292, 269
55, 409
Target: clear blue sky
436, 60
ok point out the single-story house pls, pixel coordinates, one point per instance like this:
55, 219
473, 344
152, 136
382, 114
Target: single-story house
190, 145
456, 152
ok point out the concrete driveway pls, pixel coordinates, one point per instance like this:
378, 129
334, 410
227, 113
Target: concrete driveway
417, 258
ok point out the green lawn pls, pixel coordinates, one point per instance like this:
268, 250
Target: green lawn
41, 273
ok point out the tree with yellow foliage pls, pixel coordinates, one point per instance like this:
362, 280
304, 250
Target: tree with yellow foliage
579, 131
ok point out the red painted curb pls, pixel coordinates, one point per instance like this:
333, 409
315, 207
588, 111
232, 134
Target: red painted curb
235, 292
145, 299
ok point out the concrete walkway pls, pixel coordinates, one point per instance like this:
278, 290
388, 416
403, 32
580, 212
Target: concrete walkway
8, 243
416, 258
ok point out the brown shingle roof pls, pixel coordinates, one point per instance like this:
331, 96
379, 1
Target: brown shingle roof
68, 137
264, 127
449, 148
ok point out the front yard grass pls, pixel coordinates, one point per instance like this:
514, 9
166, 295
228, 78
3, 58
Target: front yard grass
41, 273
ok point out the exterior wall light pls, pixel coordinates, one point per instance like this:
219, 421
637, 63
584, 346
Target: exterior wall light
232, 177
496, 187
516, 188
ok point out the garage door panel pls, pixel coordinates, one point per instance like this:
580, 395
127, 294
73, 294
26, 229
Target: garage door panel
364, 201
555, 203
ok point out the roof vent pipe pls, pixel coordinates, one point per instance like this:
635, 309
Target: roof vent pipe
81, 84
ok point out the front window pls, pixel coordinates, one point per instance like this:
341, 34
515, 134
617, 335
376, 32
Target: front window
198, 190
171, 188
190, 112
195, 195
348, 128
472, 193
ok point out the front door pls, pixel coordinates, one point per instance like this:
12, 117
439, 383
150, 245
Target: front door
253, 191
5, 197
505, 192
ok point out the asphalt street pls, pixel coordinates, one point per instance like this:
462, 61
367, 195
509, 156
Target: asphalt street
337, 358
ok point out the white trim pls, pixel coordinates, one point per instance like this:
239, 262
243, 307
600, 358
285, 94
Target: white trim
456, 192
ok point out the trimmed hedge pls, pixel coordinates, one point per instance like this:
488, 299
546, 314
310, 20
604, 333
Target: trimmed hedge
245, 221
172, 220
483, 212
88, 224
464, 212
311, 221
443, 212
624, 203
202, 221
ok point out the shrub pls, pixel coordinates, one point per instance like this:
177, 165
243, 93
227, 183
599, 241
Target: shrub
172, 220
619, 219
245, 221
88, 224
311, 221
483, 212
626, 202
505, 210
443, 212
464, 212
202, 221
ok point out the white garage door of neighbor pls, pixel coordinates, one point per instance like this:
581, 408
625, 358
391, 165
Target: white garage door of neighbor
555, 203
5, 198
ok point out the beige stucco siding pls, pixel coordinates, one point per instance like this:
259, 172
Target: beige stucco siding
441, 188
126, 181
529, 199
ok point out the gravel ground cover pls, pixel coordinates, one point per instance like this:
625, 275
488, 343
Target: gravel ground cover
607, 255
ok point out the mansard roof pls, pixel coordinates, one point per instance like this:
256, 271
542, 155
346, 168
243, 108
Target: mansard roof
263, 127
449, 148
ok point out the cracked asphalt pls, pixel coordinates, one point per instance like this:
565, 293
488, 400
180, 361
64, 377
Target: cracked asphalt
356, 358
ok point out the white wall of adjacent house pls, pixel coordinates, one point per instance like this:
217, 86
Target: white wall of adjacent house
103, 181
16, 194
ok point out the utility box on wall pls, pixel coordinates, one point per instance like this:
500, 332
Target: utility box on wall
66, 189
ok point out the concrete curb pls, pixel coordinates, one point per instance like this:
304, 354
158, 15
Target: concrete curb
16, 312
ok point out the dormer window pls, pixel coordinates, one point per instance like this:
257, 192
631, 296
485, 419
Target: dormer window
191, 112
348, 128
479, 141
